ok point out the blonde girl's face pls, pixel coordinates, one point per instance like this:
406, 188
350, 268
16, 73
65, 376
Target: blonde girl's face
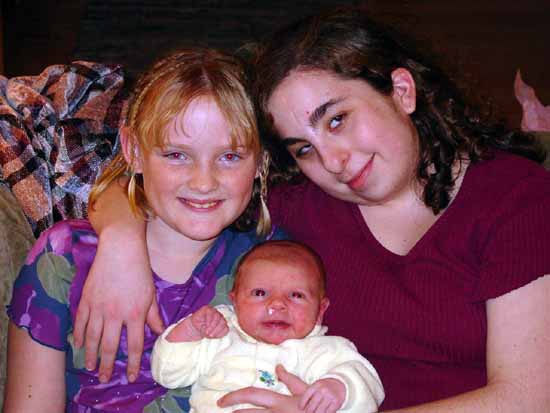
197, 183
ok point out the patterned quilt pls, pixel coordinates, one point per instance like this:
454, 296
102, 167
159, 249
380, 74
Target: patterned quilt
57, 131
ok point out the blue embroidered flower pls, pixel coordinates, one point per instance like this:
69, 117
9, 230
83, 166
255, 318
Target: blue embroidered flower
267, 378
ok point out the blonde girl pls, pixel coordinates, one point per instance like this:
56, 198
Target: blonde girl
191, 149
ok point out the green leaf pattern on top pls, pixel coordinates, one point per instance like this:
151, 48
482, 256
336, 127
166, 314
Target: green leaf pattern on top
52, 268
78, 353
168, 403
223, 287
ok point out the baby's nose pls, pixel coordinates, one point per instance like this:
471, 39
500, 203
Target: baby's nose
276, 304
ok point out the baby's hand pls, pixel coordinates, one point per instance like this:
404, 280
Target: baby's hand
323, 396
209, 322
206, 322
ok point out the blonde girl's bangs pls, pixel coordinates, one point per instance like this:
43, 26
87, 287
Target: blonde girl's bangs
244, 130
166, 90
163, 104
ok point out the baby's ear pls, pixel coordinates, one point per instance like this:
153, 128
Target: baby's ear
130, 149
323, 305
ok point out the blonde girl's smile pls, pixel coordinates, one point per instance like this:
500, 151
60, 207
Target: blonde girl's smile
199, 182
201, 205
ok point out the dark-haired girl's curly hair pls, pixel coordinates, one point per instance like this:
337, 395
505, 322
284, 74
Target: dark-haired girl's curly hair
347, 43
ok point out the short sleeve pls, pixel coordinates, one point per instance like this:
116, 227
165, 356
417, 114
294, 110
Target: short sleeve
517, 247
40, 294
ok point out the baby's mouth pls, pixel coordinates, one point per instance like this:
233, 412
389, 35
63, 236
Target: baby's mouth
276, 324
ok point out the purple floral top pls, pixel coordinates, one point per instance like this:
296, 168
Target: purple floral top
46, 296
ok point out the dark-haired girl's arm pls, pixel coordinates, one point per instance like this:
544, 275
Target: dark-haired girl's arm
518, 357
119, 289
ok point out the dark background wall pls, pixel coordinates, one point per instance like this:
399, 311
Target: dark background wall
485, 41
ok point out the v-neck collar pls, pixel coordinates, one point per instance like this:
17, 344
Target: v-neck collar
430, 232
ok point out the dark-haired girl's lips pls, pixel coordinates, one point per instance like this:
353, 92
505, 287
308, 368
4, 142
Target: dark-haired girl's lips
358, 181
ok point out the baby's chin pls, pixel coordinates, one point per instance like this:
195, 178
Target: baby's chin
276, 332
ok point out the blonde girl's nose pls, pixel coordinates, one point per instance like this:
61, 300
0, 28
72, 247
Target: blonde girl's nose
203, 179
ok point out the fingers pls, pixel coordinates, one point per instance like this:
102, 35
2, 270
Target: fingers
220, 330
80, 322
322, 397
209, 322
93, 336
109, 347
252, 395
314, 403
198, 320
135, 333
216, 326
331, 407
294, 383
324, 406
153, 319
304, 400
252, 411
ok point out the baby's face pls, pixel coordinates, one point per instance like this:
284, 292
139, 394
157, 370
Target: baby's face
279, 299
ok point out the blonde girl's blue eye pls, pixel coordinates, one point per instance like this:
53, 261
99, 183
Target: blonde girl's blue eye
231, 157
176, 156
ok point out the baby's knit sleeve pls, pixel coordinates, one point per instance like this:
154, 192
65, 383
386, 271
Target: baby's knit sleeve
176, 365
337, 357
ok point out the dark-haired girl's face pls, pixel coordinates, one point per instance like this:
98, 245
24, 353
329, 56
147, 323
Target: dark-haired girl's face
355, 143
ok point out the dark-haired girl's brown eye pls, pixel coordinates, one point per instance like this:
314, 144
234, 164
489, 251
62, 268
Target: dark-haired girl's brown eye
335, 122
303, 151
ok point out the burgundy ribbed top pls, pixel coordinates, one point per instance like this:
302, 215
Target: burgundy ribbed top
420, 318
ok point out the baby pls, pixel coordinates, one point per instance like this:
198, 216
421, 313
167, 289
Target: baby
278, 305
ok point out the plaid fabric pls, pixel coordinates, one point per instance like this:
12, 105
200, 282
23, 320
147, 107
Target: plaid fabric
57, 131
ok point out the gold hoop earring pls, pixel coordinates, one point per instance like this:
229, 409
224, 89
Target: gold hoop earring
132, 186
131, 189
264, 223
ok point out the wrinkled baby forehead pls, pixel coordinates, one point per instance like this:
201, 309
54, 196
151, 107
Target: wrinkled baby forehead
284, 251
287, 252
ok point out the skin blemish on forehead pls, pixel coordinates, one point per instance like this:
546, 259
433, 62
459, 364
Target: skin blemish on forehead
314, 118
321, 110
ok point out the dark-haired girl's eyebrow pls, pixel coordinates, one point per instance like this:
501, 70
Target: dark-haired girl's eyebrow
314, 119
292, 141
320, 111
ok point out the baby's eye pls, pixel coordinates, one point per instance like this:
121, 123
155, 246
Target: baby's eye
335, 122
258, 292
297, 294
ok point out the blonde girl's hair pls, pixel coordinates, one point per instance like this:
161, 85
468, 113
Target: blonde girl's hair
165, 90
